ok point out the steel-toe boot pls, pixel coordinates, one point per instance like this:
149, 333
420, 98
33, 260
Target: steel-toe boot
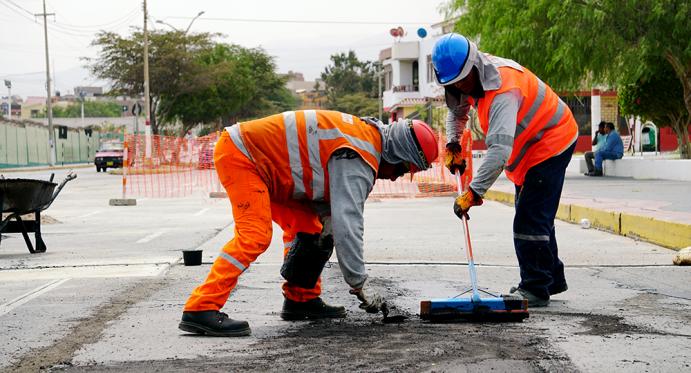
213, 323
312, 309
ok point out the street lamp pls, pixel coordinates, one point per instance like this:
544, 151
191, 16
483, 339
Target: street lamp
192, 21
178, 30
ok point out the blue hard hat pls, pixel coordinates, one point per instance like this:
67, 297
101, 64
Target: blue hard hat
449, 57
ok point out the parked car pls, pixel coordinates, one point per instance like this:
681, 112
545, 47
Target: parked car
206, 156
109, 155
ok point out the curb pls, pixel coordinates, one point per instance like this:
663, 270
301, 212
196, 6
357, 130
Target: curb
47, 168
669, 234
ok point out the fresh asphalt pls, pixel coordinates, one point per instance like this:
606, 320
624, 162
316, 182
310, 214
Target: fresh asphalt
108, 293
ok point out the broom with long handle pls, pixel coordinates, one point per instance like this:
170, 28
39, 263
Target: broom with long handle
476, 308
468, 244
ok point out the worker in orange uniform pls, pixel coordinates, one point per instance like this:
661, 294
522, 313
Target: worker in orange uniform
530, 134
310, 172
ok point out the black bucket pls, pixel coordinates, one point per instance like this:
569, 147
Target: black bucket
192, 257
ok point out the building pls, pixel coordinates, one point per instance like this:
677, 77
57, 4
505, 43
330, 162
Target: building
409, 86
407, 76
89, 91
312, 94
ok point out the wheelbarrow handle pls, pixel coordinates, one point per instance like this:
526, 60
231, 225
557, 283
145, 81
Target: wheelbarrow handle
70, 176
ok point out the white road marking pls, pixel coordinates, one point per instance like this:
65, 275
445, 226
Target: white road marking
90, 214
86, 271
153, 235
24, 298
200, 212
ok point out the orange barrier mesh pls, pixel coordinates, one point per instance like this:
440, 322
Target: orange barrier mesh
175, 166
435, 181
179, 167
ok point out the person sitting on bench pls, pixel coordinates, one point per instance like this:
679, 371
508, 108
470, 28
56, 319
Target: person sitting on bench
612, 149
598, 142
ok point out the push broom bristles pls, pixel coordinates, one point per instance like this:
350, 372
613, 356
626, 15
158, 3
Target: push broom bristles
495, 308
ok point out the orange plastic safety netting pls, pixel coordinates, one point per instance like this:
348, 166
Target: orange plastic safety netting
176, 167
170, 167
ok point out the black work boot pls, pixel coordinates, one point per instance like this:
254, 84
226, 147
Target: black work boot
213, 323
312, 309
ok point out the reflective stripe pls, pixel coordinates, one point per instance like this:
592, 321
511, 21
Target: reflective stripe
335, 133
234, 132
294, 153
233, 261
500, 140
530, 237
541, 89
552, 122
315, 158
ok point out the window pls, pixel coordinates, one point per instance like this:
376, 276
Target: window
580, 107
430, 69
388, 78
416, 76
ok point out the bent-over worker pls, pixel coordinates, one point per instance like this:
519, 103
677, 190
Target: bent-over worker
310, 172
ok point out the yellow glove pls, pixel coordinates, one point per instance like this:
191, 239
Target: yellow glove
453, 159
464, 202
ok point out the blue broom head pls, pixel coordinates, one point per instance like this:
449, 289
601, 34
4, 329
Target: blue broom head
486, 304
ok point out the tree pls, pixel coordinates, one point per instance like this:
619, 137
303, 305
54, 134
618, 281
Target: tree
171, 62
347, 75
573, 43
658, 98
92, 109
234, 83
357, 104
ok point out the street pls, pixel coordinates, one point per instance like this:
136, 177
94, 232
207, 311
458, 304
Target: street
108, 294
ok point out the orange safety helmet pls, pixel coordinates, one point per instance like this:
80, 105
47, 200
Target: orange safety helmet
426, 143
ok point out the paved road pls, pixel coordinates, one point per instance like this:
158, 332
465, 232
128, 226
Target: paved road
108, 294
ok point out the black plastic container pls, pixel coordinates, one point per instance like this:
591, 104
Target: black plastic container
192, 257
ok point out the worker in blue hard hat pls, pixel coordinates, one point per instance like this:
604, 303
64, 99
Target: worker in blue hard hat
530, 134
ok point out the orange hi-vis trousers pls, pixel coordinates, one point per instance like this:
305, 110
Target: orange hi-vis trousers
253, 212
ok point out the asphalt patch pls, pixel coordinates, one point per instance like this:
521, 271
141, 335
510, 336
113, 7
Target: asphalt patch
365, 344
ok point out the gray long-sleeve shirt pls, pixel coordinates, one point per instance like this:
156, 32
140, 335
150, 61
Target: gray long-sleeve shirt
350, 182
500, 133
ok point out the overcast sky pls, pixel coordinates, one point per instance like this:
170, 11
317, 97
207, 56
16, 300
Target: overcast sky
300, 34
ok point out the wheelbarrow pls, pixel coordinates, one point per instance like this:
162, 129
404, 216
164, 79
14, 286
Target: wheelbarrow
20, 197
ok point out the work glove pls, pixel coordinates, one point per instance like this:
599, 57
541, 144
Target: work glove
453, 159
464, 202
370, 299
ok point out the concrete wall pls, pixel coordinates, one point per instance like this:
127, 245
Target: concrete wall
641, 168
26, 144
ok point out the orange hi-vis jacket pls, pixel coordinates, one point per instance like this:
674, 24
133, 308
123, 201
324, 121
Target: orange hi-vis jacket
291, 150
545, 125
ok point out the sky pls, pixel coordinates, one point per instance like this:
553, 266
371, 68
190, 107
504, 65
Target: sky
301, 35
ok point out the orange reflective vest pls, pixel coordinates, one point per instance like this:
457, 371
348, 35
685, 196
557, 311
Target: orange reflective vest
545, 125
291, 150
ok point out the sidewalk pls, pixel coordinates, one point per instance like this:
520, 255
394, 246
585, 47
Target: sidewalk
658, 211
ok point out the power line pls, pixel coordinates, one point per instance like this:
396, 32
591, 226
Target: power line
327, 22
115, 23
20, 7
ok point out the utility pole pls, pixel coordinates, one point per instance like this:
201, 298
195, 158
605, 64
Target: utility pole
49, 101
8, 84
147, 104
379, 90
82, 95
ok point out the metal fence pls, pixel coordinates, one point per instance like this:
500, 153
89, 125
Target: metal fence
23, 143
